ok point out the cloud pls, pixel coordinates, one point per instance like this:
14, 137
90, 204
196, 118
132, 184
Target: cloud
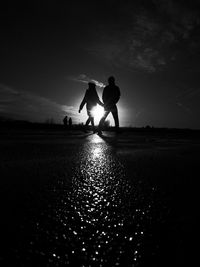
189, 93
141, 58
85, 79
184, 107
147, 37
183, 100
22, 105
134, 49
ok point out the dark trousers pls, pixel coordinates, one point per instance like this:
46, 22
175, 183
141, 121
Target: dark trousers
114, 112
90, 119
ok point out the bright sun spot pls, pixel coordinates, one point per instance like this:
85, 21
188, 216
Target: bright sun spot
97, 112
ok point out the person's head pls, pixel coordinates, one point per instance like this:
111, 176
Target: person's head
111, 80
91, 85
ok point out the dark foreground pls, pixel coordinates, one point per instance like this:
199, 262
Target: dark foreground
76, 199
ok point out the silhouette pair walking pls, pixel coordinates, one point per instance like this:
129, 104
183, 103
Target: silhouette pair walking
111, 95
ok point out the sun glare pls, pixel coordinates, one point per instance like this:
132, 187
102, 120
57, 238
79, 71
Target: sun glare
98, 112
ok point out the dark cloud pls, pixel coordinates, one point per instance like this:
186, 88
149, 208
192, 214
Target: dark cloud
189, 93
185, 100
141, 35
184, 108
146, 37
22, 105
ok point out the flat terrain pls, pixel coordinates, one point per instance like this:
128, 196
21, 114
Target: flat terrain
69, 198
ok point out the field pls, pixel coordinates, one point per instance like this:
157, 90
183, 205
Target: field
78, 199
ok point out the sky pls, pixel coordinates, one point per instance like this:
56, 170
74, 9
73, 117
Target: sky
50, 50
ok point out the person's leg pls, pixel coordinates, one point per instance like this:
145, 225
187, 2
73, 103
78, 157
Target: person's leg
102, 120
89, 117
88, 121
86, 124
92, 122
115, 116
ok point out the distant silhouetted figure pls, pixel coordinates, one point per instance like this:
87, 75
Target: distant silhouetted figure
91, 99
65, 121
111, 95
70, 122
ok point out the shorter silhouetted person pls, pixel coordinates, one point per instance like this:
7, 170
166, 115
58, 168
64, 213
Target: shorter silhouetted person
65, 121
70, 122
91, 99
111, 95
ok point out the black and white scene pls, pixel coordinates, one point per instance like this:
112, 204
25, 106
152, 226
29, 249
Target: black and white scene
99, 133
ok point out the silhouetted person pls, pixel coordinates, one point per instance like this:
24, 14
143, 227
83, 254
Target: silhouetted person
70, 122
65, 121
91, 99
111, 95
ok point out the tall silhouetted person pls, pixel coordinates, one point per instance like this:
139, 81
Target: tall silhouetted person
91, 99
111, 95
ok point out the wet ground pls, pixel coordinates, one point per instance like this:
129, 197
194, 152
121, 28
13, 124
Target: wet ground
73, 199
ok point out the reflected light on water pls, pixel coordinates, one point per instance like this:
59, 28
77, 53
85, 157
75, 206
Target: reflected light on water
100, 219
100, 191
95, 139
96, 152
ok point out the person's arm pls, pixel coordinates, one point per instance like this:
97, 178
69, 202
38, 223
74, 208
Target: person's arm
99, 101
104, 95
116, 95
82, 104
